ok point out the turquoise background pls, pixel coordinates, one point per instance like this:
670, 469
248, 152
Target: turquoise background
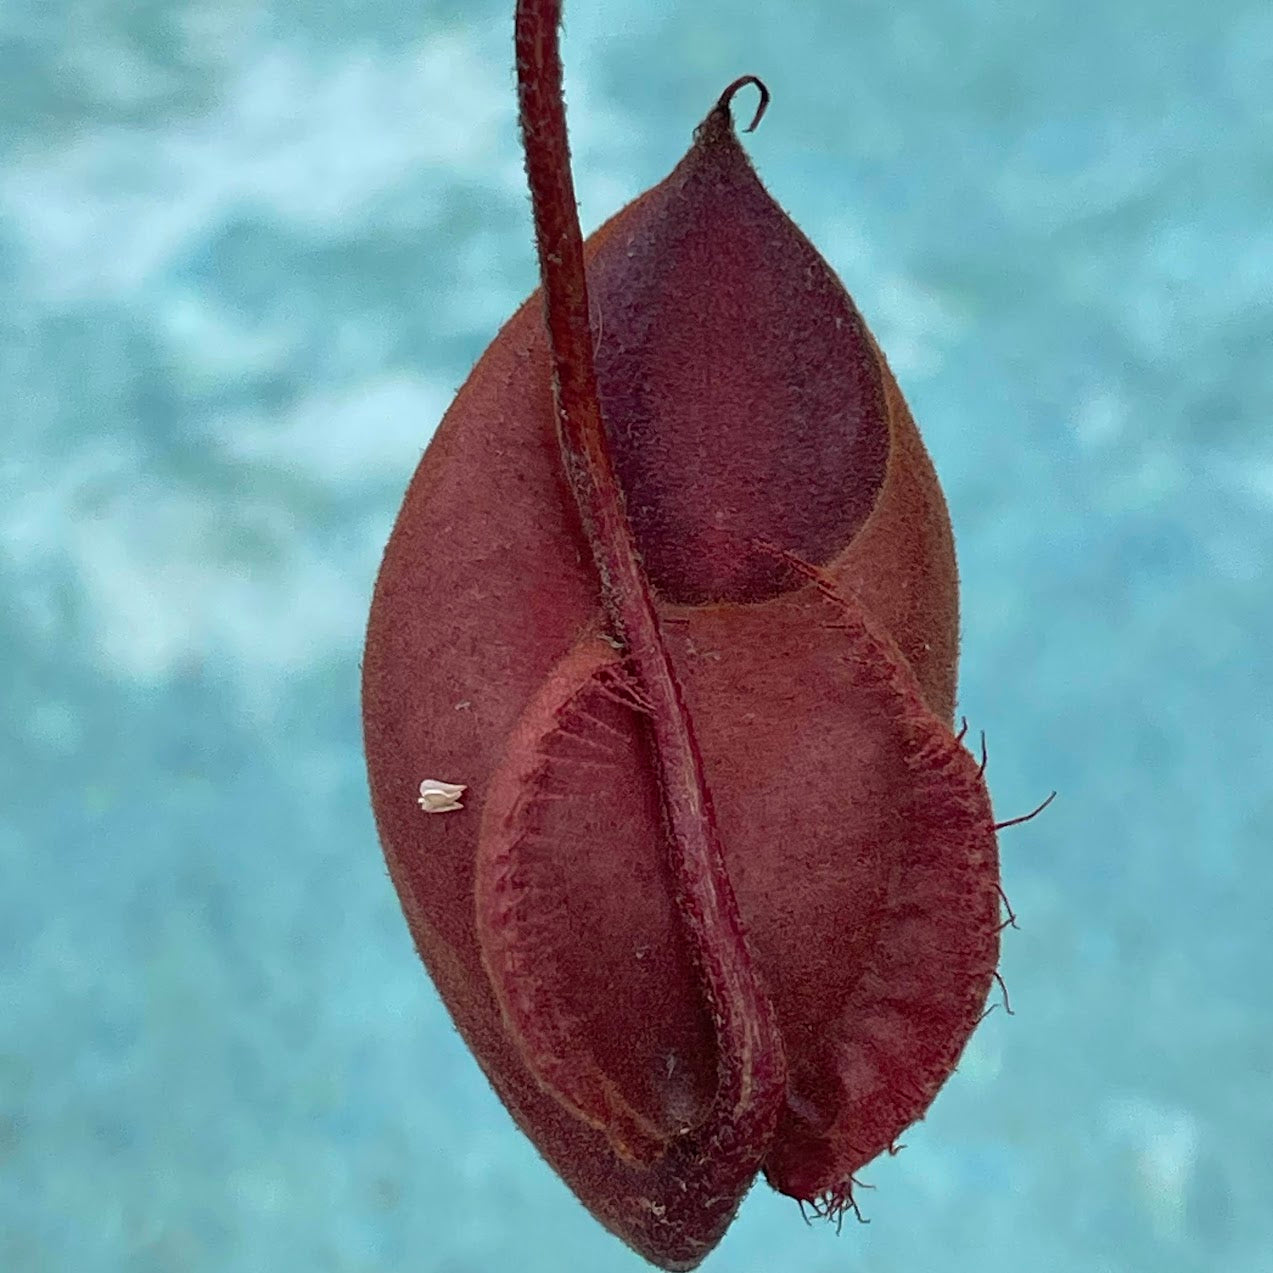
248, 251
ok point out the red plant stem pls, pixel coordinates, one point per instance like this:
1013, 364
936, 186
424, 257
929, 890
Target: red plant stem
751, 1067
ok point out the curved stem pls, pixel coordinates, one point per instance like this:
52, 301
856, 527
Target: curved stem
751, 1066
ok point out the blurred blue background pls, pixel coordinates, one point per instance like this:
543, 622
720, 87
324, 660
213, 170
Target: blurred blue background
248, 251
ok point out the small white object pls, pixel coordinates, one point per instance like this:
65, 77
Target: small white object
437, 796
